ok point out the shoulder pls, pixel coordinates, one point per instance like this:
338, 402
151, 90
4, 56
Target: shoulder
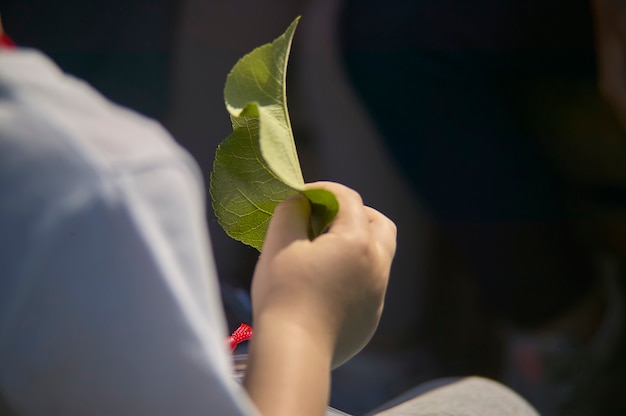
60, 133
32, 85
66, 151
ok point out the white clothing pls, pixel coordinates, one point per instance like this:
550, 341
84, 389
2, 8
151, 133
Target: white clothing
109, 300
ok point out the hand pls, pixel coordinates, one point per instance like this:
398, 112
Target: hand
315, 303
333, 286
610, 33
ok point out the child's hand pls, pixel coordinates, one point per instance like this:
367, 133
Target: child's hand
333, 286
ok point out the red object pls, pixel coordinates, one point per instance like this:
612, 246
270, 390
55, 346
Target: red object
241, 334
6, 42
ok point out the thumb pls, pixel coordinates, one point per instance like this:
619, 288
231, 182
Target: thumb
289, 223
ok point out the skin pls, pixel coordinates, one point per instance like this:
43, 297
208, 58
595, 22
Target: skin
315, 303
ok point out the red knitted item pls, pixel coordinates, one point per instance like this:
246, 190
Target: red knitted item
241, 334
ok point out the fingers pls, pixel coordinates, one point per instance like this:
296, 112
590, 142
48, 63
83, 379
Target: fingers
351, 217
288, 224
290, 220
354, 217
383, 230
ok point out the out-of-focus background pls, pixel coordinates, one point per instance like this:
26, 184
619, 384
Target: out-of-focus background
475, 125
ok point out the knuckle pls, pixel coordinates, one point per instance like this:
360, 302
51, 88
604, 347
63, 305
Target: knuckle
339, 189
355, 195
357, 243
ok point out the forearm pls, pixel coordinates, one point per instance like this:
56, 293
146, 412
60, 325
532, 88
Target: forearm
288, 368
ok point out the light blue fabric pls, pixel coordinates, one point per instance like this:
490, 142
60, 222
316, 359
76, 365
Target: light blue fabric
109, 301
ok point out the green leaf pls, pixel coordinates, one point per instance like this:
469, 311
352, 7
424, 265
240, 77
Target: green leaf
256, 166
324, 207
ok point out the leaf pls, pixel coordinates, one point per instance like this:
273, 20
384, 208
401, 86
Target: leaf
324, 207
256, 166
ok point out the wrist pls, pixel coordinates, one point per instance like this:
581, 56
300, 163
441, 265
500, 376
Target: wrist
289, 366
303, 315
294, 331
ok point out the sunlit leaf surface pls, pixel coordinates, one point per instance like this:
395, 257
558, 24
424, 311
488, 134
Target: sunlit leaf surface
256, 166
